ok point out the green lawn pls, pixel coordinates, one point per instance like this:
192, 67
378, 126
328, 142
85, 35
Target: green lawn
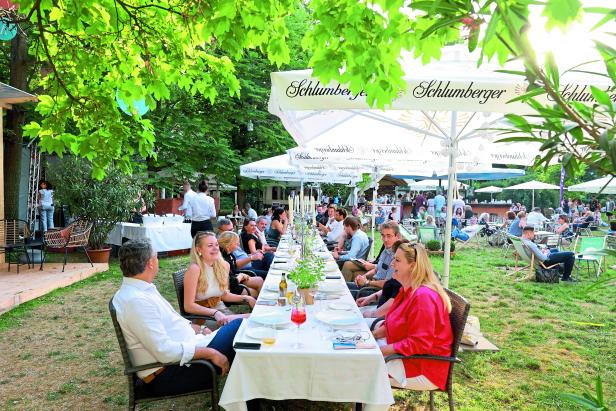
59, 351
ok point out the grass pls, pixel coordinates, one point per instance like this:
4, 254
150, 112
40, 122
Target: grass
59, 351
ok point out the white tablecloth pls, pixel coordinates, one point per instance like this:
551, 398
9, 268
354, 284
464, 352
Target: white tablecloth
153, 219
164, 237
315, 372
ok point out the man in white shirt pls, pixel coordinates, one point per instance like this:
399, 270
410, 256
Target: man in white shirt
261, 228
336, 230
203, 209
188, 195
154, 332
250, 212
331, 220
535, 218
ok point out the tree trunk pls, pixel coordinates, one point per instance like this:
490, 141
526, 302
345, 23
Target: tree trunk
13, 134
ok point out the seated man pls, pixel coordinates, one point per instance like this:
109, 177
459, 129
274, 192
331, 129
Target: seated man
261, 228
154, 332
359, 242
369, 274
549, 257
583, 221
336, 229
243, 260
326, 227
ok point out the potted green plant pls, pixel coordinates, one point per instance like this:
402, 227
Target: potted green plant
306, 275
452, 247
105, 201
434, 247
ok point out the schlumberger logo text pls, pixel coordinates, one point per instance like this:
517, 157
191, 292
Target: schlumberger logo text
572, 92
443, 89
310, 88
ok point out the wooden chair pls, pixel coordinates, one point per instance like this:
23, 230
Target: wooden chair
459, 313
523, 253
136, 392
13, 237
76, 235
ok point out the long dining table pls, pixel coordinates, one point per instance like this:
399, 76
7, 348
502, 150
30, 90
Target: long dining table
316, 371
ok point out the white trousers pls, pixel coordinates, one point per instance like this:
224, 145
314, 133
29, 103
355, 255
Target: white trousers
398, 378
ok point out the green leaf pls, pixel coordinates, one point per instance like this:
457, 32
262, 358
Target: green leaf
552, 70
560, 13
533, 93
602, 98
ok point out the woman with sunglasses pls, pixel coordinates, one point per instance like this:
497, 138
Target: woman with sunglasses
206, 282
417, 322
251, 243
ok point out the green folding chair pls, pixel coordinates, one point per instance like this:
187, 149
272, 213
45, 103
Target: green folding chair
426, 234
583, 248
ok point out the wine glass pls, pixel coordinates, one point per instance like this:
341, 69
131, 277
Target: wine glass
298, 316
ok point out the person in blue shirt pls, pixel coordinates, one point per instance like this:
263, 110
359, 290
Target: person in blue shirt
518, 224
359, 241
551, 256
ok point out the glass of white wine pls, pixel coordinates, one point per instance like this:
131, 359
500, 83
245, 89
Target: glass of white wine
269, 336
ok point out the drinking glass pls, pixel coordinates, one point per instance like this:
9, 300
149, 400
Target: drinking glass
269, 336
298, 316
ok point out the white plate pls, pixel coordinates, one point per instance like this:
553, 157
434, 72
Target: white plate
338, 305
271, 287
272, 317
257, 333
327, 287
268, 295
338, 317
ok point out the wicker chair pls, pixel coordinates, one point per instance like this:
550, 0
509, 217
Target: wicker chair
136, 392
13, 236
76, 235
459, 313
178, 282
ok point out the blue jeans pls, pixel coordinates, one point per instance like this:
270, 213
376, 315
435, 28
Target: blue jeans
562, 257
46, 213
177, 379
263, 264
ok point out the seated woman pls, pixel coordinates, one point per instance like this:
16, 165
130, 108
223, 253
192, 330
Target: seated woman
236, 211
206, 282
279, 224
422, 213
429, 221
417, 322
251, 243
229, 242
564, 230
583, 221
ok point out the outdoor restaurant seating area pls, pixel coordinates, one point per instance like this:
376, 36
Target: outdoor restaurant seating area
321, 205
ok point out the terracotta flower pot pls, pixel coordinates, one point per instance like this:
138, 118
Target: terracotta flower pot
305, 293
100, 255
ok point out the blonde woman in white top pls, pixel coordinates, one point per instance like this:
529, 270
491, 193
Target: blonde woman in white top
206, 282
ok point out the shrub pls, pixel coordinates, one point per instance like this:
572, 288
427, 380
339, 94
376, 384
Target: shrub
433, 245
452, 248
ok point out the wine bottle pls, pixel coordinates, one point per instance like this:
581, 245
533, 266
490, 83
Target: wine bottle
282, 287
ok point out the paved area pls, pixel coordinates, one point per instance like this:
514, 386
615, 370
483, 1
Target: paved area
31, 283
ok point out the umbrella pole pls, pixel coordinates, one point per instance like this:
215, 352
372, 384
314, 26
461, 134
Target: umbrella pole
374, 207
533, 203
451, 181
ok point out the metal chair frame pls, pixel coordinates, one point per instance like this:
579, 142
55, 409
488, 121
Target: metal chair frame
13, 237
78, 236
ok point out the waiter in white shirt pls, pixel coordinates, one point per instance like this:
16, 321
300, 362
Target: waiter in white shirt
188, 195
250, 212
154, 332
203, 208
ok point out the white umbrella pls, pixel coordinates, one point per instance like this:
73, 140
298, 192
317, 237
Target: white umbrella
533, 185
489, 189
608, 184
309, 110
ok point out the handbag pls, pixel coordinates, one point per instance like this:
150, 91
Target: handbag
547, 275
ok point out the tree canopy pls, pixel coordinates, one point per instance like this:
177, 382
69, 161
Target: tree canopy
165, 51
